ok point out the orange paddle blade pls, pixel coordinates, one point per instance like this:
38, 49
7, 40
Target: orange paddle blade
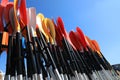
5, 38
89, 41
97, 47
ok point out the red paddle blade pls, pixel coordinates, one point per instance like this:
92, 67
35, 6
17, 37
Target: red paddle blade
6, 11
81, 37
62, 30
1, 14
4, 2
6, 16
11, 16
58, 37
60, 24
23, 14
58, 31
75, 41
68, 39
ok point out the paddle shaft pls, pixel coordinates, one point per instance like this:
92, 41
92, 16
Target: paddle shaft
30, 55
48, 53
8, 64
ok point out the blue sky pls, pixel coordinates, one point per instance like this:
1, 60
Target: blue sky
99, 19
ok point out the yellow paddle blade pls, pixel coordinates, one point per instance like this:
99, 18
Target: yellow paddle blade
41, 16
17, 25
44, 29
51, 29
46, 26
41, 22
39, 19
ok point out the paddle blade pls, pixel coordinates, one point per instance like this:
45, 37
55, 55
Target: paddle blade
1, 14
4, 2
58, 37
40, 16
17, 25
44, 29
39, 19
6, 11
51, 29
60, 24
75, 41
81, 37
11, 16
23, 14
32, 19
41, 22
95, 43
6, 16
90, 43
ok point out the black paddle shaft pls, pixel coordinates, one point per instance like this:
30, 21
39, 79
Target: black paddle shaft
52, 48
36, 53
18, 53
8, 64
30, 55
46, 50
